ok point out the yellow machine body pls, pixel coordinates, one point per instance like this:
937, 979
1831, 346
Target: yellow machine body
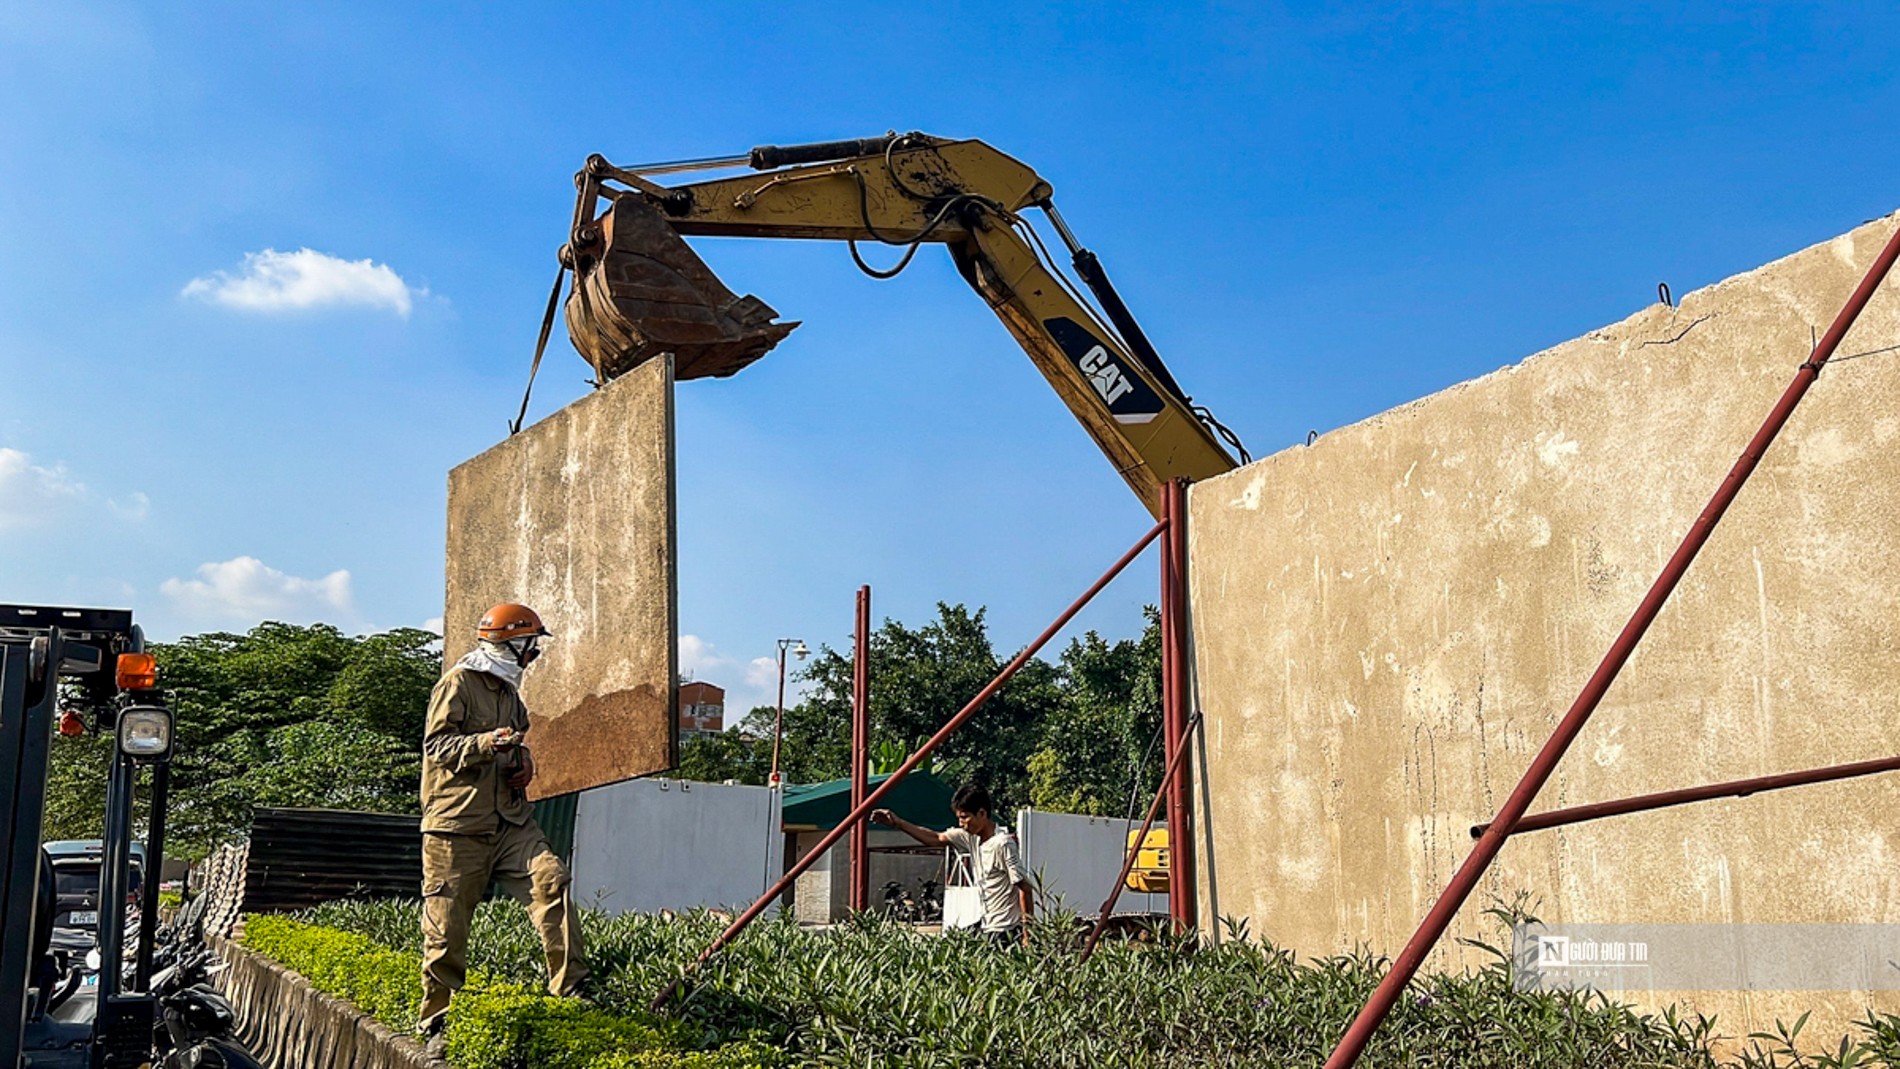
640, 291
1150, 871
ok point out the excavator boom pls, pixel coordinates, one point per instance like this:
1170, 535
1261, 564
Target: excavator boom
640, 290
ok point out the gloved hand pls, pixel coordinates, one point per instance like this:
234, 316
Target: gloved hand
502, 740
523, 773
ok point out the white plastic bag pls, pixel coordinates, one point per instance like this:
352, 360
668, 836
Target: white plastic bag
962, 899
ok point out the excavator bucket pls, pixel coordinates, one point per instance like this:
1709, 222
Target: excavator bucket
641, 291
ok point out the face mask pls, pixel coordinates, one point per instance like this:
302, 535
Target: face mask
526, 650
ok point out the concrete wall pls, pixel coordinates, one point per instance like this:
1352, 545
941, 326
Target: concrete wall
1387, 625
652, 844
574, 517
1076, 859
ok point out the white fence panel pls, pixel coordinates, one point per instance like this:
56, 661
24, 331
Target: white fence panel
1077, 858
650, 844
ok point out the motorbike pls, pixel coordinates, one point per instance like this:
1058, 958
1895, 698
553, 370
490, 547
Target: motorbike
925, 907
196, 1024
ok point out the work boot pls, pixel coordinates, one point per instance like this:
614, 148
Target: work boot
434, 1038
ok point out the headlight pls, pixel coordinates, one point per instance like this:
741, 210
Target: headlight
145, 732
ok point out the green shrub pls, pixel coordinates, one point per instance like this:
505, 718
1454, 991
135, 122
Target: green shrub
491, 1025
381, 982
873, 993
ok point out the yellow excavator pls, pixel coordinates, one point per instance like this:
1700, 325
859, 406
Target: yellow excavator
639, 291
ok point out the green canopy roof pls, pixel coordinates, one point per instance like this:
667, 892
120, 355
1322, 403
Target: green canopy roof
921, 798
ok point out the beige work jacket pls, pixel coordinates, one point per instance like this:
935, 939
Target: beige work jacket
464, 786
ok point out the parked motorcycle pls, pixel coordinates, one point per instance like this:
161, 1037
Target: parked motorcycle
196, 1024
924, 907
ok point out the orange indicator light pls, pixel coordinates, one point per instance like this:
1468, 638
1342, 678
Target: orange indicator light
137, 671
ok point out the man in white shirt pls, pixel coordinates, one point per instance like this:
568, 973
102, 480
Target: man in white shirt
1008, 899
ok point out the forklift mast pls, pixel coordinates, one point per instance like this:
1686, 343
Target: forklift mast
88, 667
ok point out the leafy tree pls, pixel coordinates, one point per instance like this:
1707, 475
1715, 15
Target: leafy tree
888, 756
1103, 747
1076, 735
318, 763
287, 715
727, 755
919, 679
379, 687
76, 787
284, 715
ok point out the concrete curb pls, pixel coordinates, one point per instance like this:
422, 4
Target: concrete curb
288, 1024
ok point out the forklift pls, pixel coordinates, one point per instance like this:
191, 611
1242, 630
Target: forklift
77, 671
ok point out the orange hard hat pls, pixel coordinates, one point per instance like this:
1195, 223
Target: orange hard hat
509, 620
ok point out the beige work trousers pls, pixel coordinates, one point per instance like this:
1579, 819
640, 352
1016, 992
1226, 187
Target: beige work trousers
455, 874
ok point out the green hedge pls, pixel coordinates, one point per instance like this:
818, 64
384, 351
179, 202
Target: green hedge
491, 1025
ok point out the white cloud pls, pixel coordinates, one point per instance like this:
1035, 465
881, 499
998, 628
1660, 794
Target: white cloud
762, 672
272, 281
136, 506
748, 684
245, 591
30, 493
33, 495
433, 623
698, 657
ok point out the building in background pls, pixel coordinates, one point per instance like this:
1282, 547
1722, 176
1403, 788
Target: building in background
702, 710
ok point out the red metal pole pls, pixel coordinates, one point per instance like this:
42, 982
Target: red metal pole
1740, 788
1181, 820
860, 752
1128, 863
1406, 965
862, 809
1170, 709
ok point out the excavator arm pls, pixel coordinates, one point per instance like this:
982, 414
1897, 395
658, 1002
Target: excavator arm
640, 291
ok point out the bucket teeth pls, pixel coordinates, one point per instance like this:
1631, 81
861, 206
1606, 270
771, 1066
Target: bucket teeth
649, 293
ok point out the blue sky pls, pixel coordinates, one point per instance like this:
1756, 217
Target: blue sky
1316, 213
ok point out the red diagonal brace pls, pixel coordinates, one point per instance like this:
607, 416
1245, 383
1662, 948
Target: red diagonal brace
1406, 965
1128, 863
863, 809
1739, 788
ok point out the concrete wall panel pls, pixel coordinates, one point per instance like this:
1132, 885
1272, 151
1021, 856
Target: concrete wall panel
1389, 623
574, 517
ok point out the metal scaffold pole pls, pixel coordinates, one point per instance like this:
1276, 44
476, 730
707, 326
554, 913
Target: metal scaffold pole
1181, 885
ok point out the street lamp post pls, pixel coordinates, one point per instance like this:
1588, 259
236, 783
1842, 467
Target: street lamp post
801, 651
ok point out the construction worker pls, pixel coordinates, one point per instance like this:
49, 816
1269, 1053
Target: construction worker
477, 824
1008, 898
